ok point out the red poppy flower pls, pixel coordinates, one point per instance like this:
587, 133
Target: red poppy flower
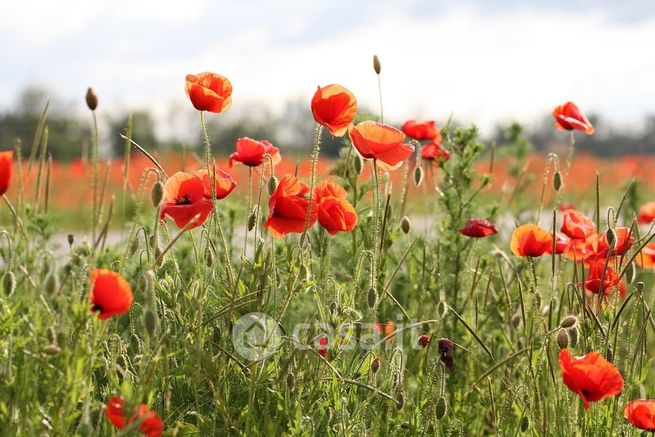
224, 183
623, 243
646, 258
380, 141
478, 228
151, 424
185, 201
251, 152
641, 414
209, 92
592, 377
596, 283
561, 244
322, 346
335, 213
334, 107
6, 160
577, 225
530, 240
446, 350
422, 130
111, 294
434, 151
288, 208
424, 340
564, 206
646, 213
569, 117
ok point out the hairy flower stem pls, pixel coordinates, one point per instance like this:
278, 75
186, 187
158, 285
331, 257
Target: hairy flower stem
316, 149
569, 157
96, 170
248, 212
376, 218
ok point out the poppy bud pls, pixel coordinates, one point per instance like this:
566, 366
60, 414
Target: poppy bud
611, 237
134, 246
609, 355
568, 321
51, 335
424, 340
372, 297
630, 273
252, 219
400, 400
562, 338
358, 164
158, 257
151, 322
441, 408
209, 257
272, 185
9, 282
291, 380
377, 67
405, 224
525, 423
157, 193
71, 239
91, 99
574, 335
50, 285
418, 176
51, 350
557, 180
375, 365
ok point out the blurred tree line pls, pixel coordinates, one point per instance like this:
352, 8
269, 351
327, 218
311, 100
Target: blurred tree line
69, 132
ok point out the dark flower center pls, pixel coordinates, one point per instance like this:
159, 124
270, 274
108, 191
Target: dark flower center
96, 308
184, 200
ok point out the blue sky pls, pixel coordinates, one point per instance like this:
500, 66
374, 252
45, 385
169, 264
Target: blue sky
484, 61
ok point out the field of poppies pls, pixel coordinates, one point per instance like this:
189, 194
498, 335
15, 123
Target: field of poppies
422, 284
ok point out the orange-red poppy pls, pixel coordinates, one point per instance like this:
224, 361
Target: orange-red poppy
380, 141
6, 160
597, 283
185, 201
252, 152
561, 244
591, 377
434, 151
623, 243
478, 228
422, 130
334, 107
151, 424
530, 240
641, 414
288, 207
576, 225
646, 258
646, 213
111, 294
335, 213
225, 183
569, 117
209, 92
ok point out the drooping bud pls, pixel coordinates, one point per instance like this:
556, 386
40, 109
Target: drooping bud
574, 336
209, 257
71, 239
424, 341
91, 99
359, 164
405, 224
151, 321
252, 219
562, 338
557, 180
375, 365
9, 282
441, 408
418, 176
377, 67
50, 285
157, 193
611, 237
372, 297
272, 185
568, 321
525, 423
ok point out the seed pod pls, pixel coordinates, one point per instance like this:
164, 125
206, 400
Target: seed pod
574, 336
405, 224
51, 350
377, 67
400, 400
568, 321
358, 164
418, 176
372, 297
375, 365
151, 321
91, 99
557, 180
71, 239
134, 246
252, 219
50, 285
562, 338
157, 194
272, 185
441, 408
209, 257
525, 423
9, 282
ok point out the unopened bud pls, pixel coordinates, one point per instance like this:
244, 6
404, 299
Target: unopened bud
134, 246
252, 219
557, 180
609, 355
91, 99
375, 365
51, 350
157, 193
441, 408
424, 341
400, 400
50, 285
562, 338
359, 164
209, 257
611, 237
272, 185
574, 336
418, 176
291, 380
405, 224
372, 297
377, 67
9, 282
151, 321
71, 239
159, 259
568, 321
51, 335
525, 423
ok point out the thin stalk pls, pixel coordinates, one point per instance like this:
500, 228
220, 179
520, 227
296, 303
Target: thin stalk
316, 149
